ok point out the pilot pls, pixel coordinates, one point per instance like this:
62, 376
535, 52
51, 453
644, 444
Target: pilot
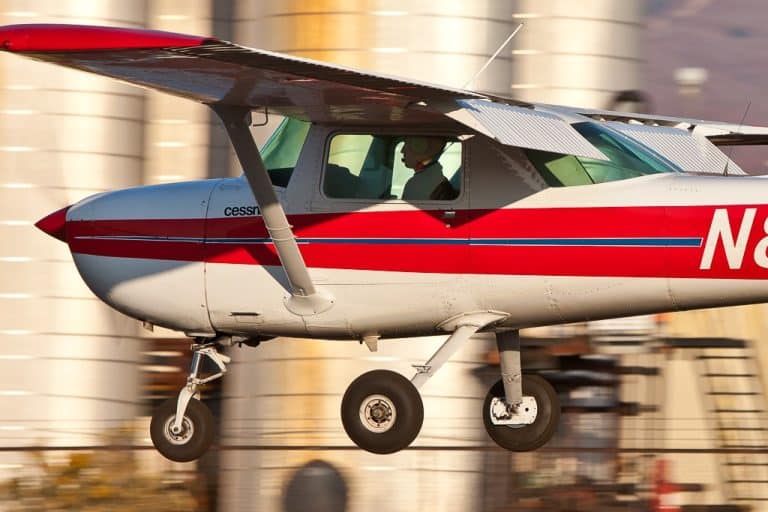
421, 154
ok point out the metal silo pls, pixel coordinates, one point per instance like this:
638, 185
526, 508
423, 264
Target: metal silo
577, 53
67, 362
177, 130
445, 42
283, 397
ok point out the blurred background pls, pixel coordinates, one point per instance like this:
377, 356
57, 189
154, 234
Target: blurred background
660, 413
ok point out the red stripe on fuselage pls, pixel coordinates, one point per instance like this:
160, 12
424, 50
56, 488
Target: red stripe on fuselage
653, 221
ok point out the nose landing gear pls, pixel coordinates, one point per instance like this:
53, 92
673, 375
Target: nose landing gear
182, 428
191, 440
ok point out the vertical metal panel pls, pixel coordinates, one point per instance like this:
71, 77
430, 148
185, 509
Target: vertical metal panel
288, 392
443, 43
67, 362
577, 53
176, 130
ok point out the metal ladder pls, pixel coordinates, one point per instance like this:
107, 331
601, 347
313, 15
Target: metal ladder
734, 395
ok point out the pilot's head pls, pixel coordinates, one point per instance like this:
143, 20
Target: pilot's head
419, 152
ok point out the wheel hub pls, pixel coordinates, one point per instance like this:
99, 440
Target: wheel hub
377, 413
183, 435
520, 416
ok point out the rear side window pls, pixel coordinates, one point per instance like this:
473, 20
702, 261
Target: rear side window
408, 167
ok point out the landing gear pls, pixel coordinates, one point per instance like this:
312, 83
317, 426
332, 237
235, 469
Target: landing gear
382, 412
182, 428
529, 425
520, 412
194, 437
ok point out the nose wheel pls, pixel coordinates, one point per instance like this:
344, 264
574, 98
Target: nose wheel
382, 412
182, 428
191, 440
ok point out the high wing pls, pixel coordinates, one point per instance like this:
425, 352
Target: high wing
689, 150
217, 72
208, 70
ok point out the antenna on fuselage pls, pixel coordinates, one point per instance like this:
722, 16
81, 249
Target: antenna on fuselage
495, 54
741, 123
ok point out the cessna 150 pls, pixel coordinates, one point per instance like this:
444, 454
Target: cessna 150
384, 207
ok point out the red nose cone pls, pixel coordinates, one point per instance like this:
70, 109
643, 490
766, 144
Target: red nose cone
55, 224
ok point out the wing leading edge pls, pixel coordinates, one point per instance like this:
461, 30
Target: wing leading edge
209, 70
212, 71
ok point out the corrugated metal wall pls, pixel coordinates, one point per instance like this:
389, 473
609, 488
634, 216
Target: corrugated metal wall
67, 362
287, 392
578, 53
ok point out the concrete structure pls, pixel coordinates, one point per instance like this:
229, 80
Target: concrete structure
177, 131
67, 362
443, 43
288, 393
578, 53
285, 395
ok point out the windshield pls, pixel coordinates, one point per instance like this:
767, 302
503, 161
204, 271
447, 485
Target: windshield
281, 151
627, 158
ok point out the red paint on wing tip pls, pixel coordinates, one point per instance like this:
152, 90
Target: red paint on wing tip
55, 224
55, 37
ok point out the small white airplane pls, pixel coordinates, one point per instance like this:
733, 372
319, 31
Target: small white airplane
384, 207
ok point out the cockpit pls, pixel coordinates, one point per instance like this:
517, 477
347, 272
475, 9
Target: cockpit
372, 166
369, 166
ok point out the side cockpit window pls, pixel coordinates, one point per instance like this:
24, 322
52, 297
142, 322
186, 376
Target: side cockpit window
281, 151
627, 158
380, 167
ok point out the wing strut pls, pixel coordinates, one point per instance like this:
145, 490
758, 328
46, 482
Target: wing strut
306, 298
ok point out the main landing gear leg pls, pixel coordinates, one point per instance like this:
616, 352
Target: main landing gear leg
520, 412
382, 411
182, 428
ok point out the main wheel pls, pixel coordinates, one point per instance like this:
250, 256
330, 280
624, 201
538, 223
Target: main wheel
382, 412
196, 433
523, 438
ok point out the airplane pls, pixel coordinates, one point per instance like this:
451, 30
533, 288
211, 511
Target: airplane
383, 207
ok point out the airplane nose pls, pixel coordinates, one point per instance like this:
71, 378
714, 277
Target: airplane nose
55, 224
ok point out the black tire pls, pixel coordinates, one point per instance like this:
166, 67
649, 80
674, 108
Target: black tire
183, 448
528, 437
398, 398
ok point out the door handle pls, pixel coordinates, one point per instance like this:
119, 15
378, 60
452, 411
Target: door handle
449, 214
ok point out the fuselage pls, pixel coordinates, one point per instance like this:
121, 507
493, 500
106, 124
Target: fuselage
196, 256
